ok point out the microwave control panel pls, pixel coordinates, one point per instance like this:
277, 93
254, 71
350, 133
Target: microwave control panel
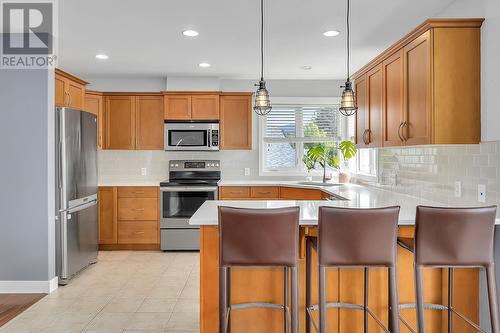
215, 138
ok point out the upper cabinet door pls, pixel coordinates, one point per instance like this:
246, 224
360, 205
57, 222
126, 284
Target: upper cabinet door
76, 93
149, 123
93, 104
177, 107
360, 88
392, 109
60, 93
417, 87
374, 134
236, 121
120, 122
205, 107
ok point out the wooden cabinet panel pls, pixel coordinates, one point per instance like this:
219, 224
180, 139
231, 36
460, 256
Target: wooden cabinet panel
76, 94
234, 192
138, 209
137, 232
138, 192
236, 121
60, 93
295, 193
205, 107
94, 105
265, 192
177, 107
392, 109
362, 113
374, 81
417, 104
120, 122
149, 123
107, 215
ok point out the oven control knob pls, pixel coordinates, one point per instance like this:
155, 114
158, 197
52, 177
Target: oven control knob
217, 165
171, 165
177, 165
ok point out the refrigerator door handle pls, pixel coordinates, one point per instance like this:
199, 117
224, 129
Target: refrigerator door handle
59, 166
79, 208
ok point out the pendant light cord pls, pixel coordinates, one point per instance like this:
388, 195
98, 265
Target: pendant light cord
261, 40
348, 42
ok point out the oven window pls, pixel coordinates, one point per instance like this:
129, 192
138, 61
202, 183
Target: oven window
187, 138
183, 204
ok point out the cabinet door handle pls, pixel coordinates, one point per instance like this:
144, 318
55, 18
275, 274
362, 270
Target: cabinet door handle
235, 192
364, 137
138, 209
399, 131
402, 132
268, 192
368, 136
139, 233
139, 192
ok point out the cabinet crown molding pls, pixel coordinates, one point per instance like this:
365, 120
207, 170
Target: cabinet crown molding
69, 76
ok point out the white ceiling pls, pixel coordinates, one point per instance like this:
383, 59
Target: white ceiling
143, 38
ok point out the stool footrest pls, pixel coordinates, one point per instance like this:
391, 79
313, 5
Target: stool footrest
338, 305
429, 306
256, 305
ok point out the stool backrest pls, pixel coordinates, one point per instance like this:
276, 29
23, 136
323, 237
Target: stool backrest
454, 236
357, 237
258, 237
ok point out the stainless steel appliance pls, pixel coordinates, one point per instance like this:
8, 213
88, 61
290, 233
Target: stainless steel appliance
191, 136
190, 184
76, 192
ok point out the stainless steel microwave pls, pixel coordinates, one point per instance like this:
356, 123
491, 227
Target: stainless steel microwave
191, 136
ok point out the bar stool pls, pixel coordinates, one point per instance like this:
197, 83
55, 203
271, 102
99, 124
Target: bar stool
353, 238
455, 237
259, 237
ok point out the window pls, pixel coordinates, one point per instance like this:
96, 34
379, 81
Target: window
288, 131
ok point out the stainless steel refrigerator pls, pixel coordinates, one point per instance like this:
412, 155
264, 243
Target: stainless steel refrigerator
76, 192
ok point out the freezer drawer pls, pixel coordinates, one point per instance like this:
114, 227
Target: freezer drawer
180, 239
176, 224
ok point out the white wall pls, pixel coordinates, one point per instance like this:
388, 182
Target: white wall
490, 56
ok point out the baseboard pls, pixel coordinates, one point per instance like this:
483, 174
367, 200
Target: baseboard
28, 287
135, 247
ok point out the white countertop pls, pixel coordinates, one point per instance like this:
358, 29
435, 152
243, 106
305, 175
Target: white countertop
358, 197
129, 182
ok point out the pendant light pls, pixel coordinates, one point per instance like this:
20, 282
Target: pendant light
262, 105
348, 105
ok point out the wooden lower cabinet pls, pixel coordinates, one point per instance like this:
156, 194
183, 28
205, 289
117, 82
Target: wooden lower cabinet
344, 285
270, 193
296, 193
129, 218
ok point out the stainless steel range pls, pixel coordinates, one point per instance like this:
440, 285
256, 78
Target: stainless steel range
190, 184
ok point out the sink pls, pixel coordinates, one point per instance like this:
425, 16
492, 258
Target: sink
319, 184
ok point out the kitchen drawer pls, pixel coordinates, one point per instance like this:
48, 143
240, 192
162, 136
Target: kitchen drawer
138, 192
138, 232
295, 193
180, 239
234, 192
265, 192
138, 209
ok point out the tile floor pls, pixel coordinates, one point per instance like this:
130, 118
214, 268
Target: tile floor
129, 292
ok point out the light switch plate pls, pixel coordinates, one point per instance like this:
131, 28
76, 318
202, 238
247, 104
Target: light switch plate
481, 193
144, 171
458, 189
247, 171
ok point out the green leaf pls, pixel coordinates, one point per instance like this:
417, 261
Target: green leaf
334, 162
348, 149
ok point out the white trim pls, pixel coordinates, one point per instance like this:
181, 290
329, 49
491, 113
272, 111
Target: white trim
28, 287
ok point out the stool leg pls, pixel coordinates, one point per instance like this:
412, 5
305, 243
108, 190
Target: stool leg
223, 299
492, 296
308, 283
295, 300
393, 301
419, 298
365, 299
450, 299
322, 299
285, 300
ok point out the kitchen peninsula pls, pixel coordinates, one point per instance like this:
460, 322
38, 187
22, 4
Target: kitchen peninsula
345, 285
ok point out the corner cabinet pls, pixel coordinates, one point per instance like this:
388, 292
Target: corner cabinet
424, 89
94, 104
69, 90
236, 121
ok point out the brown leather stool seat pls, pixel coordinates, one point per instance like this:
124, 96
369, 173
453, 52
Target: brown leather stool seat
356, 238
455, 237
259, 237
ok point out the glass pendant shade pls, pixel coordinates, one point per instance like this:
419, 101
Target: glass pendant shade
348, 105
262, 105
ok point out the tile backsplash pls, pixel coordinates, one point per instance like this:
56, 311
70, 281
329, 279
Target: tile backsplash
431, 171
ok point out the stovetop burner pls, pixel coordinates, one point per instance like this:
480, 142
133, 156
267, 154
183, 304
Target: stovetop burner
193, 173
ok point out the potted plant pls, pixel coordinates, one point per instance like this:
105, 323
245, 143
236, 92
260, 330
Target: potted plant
327, 154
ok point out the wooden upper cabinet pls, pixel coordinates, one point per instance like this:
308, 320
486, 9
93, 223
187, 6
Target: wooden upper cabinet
417, 87
392, 105
205, 107
360, 86
236, 121
177, 107
120, 122
94, 105
69, 90
374, 82
107, 215
149, 123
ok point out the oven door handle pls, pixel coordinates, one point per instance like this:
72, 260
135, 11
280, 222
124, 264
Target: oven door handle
188, 189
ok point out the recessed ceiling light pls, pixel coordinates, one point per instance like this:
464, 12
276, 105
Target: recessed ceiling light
101, 56
306, 68
190, 33
204, 65
331, 33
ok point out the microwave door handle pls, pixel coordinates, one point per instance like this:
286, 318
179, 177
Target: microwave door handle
209, 143
179, 142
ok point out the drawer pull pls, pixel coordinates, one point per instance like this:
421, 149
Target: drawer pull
139, 233
138, 209
235, 192
139, 192
262, 193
